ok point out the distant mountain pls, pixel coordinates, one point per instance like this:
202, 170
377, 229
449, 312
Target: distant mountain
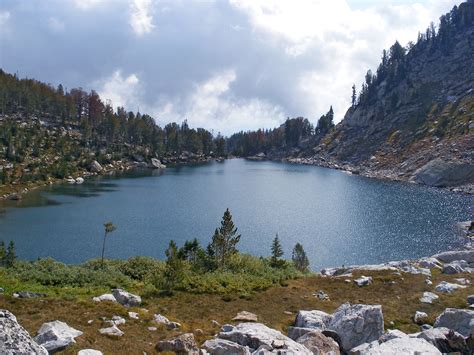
417, 107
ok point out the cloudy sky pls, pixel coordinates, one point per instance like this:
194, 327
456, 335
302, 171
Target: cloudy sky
226, 65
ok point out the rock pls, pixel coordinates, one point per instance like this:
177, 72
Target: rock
112, 331
223, 347
444, 339
89, 352
173, 325
117, 320
215, 323
245, 316
56, 335
79, 181
357, 324
406, 345
312, 319
14, 339
425, 327
419, 316
257, 335
448, 287
470, 299
321, 295
297, 332
158, 318
363, 281
105, 297
459, 320
182, 344
429, 263
442, 173
463, 281
450, 256
126, 298
392, 334
428, 297
456, 267
152, 329
133, 315
156, 164
318, 343
428, 282
28, 294
71, 181
227, 328
96, 167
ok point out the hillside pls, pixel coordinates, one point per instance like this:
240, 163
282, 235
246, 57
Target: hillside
418, 107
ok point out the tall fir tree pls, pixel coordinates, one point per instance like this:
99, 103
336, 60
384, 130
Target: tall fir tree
224, 240
277, 252
299, 258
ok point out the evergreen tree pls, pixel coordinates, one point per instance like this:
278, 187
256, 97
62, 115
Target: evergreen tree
354, 95
277, 252
3, 253
224, 240
174, 269
10, 256
108, 228
300, 260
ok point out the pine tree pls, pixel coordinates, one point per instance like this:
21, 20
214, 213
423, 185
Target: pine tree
277, 252
354, 95
300, 260
174, 269
3, 253
224, 240
108, 228
10, 256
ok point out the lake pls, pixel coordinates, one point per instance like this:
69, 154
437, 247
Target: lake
339, 218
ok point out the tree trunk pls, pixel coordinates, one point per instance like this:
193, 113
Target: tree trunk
103, 249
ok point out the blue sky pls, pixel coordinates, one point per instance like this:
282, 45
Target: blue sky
226, 65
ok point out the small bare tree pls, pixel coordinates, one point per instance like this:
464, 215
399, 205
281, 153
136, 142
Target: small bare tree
109, 228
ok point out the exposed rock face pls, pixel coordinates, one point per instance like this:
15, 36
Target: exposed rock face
56, 335
447, 287
399, 346
428, 297
450, 256
14, 339
312, 319
245, 316
223, 347
126, 298
296, 332
258, 336
156, 164
318, 343
182, 344
357, 324
392, 334
363, 281
456, 267
459, 320
441, 173
112, 331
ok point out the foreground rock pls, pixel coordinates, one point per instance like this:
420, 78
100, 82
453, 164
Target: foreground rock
357, 324
405, 345
245, 316
126, 298
182, 344
112, 331
428, 297
318, 343
223, 347
447, 287
56, 335
89, 352
445, 340
258, 336
313, 319
459, 320
14, 339
160, 319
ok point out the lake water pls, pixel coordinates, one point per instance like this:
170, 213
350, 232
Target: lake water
339, 218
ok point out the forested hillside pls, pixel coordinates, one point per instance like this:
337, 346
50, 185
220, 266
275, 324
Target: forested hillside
49, 133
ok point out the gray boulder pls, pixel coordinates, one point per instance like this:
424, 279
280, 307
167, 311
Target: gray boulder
126, 298
428, 297
258, 336
447, 287
105, 297
96, 167
156, 164
419, 317
112, 331
450, 256
296, 332
470, 299
429, 263
318, 343
89, 352
245, 316
363, 281
14, 339
223, 347
399, 346
392, 334
182, 344
357, 324
445, 340
456, 267
459, 320
442, 173
56, 335
313, 319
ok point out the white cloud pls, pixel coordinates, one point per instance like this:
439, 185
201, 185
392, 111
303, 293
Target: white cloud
348, 41
212, 105
4, 17
140, 16
56, 25
122, 91
87, 4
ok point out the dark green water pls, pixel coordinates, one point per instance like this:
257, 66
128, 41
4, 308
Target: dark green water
339, 218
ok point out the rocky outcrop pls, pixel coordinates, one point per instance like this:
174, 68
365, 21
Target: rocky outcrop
89, 352
156, 164
459, 320
404, 345
223, 347
428, 297
14, 339
182, 344
450, 256
105, 297
441, 173
112, 331
363, 281
126, 298
96, 167
56, 335
445, 340
259, 337
318, 343
313, 319
447, 287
